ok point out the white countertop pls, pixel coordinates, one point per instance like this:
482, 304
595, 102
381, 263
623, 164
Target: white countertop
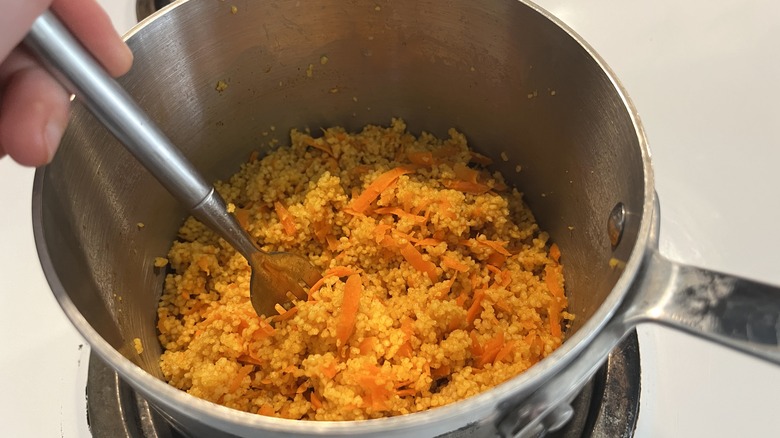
704, 76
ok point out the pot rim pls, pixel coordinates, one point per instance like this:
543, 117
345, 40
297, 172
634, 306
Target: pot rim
231, 420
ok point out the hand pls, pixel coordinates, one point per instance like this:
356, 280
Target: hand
33, 106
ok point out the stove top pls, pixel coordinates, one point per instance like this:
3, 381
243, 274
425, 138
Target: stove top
703, 76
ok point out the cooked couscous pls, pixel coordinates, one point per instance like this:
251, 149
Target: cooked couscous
437, 282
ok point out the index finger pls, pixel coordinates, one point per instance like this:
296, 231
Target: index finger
91, 25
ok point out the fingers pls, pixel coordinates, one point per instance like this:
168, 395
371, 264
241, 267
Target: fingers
85, 19
33, 107
92, 26
33, 111
16, 19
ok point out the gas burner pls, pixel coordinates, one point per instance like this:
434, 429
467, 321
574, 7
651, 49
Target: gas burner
145, 8
607, 407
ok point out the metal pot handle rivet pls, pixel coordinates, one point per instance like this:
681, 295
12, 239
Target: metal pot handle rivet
616, 223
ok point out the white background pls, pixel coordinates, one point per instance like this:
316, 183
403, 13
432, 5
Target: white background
704, 76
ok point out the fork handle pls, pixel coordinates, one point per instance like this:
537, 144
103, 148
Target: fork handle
82, 75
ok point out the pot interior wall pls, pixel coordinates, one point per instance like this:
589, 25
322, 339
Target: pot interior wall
514, 82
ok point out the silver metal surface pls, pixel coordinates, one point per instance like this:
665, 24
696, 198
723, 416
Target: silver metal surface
116, 110
515, 80
109, 103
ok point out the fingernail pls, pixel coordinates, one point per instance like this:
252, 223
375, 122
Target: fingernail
128, 58
52, 136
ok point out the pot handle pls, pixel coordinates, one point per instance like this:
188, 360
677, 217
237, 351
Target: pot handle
732, 311
729, 310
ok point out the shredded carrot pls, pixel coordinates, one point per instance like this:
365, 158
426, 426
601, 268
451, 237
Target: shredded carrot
490, 350
480, 159
388, 242
380, 184
321, 230
496, 259
506, 278
287, 314
349, 307
338, 271
451, 263
302, 388
414, 258
420, 206
266, 410
494, 270
428, 242
407, 327
476, 348
368, 344
454, 323
466, 187
401, 214
553, 278
438, 373
476, 306
321, 144
496, 245
242, 216
360, 169
376, 392
555, 253
446, 151
446, 209
316, 403
554, 281
242, 372
465, 173
408, 392
505, 351
265, 331
503, 306
246, 358
447, 287
555, 319
421, 158
405, 350
285, 218
203, 264
499, 186
329, 370
405, 236
333, 243
380, 231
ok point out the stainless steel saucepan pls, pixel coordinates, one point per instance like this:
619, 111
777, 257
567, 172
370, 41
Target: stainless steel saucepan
514, 79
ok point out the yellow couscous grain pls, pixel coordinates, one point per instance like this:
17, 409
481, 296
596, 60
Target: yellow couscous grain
437, 282
139, 347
